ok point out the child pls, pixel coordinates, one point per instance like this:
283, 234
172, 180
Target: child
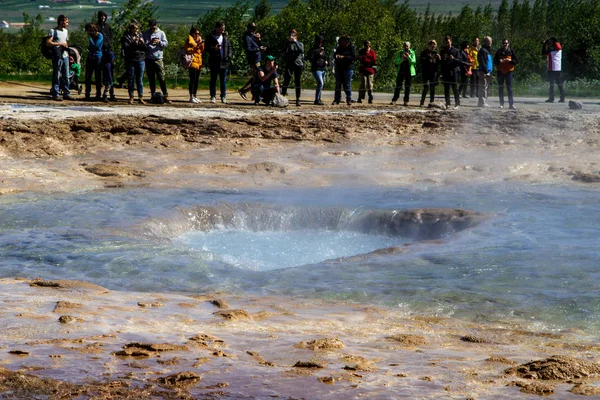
75, 70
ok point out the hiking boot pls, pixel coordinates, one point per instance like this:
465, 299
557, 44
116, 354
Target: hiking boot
167, 101
319, 103
359, 101
297, 102
242, 95
335, 103
393, 103
405, 104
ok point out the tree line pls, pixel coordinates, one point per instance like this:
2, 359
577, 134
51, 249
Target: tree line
386, 23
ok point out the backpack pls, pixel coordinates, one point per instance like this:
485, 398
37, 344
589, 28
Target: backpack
280, 101
48, 51
158, 98
185, 59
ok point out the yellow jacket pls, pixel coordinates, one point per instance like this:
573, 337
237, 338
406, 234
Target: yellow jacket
473, 53
191, 47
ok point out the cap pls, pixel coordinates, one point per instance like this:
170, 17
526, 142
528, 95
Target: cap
270, 58
152, 22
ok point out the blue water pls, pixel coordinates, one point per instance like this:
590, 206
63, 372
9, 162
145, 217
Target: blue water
535, 261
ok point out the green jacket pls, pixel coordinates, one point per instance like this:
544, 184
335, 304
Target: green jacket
411, 60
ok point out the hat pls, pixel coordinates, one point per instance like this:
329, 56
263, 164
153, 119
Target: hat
152, 22
270, 58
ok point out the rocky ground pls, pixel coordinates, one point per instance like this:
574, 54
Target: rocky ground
71, 340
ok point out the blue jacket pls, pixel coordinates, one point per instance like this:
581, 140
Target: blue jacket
484, 59
95, 46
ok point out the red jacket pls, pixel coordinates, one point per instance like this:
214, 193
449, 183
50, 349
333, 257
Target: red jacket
367, 60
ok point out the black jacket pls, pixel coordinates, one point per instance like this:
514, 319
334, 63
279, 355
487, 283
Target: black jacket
214, 54
132, 50
106, 32
429, 64
349, 59
451, 61
293, 54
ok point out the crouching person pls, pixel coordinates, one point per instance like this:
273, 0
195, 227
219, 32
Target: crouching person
266, 82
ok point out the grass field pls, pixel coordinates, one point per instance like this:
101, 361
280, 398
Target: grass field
173, 12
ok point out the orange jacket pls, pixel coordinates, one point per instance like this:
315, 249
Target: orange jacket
191, 47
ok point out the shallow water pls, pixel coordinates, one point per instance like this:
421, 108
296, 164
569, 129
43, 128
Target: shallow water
535, 261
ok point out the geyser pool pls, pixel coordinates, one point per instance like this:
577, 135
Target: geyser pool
268, 250
535, 262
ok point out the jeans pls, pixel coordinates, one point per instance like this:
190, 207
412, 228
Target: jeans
555, 77
429, 84
93, 65
107, 73
135, 70
222, 74
343, 78
194, 78
320, 78
296, 71
451, 82
156, 69
60, 76
400, 79
508, 78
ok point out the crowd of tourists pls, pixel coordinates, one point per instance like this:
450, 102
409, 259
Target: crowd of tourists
466, 71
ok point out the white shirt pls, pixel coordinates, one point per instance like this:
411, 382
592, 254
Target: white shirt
62, 36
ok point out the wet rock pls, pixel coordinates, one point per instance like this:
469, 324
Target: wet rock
502, 360
321, 344
556, 368
42, 283
170, 361
430, 124
408, 339
268, 167
155, 304
207, 340
330, 380
474, 339
155, 347
132, 353
575, 105
65, 305
233, 314
19, 352
587, 177
310, 364
585, 390
437, 105
108, 170
68, 285
538, 388
181, 379
66, 319
219, 303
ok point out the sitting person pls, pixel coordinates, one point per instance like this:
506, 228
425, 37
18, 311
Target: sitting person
74, 74
266, 82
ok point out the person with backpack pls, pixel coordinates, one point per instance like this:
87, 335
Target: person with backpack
134, 50
220, 53
156, 41
93, 63
194, 45
57, 41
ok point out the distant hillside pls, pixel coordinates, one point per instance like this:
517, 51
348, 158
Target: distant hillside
172, 12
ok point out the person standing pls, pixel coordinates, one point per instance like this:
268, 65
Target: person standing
194, 45
466, 69
505, 60
429, 69
108, 56
451, 62
553, 51
405, 70
293, 57
318, 61
345, 57
156, 42
254, 50
367, 61
134, 50
93, 63
58, 39
474, 81
220, 52
484, 70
